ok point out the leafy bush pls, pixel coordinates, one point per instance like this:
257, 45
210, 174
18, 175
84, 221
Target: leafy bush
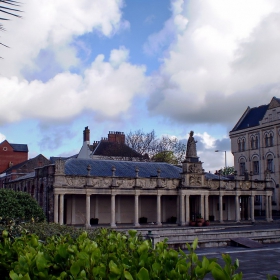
111, 255
15, 205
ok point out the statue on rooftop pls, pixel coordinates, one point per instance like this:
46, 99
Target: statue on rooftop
191, 146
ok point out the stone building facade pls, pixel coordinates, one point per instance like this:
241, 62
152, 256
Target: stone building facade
255, 145
116, 192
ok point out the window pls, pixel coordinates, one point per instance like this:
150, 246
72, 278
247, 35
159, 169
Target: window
242, 167
269, 140
269, 163
256, 167
239, 146
252, 143
266, 140
243, 145
256, 142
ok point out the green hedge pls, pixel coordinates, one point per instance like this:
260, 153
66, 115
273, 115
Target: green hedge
15, 205
111, 255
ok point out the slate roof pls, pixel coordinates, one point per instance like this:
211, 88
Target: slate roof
26, 176
211, 176
54, 159
19, 147
114, 149
252, 118
123, 168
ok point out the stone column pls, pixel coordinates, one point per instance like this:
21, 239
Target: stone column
56, 208
61, 209
266, 208
206, 207
113, 210
182, 210
136, 210
252, 208
221, 208
270, 208
159, 210
187, 209
178, 209
237, 209
202, 206
87, 210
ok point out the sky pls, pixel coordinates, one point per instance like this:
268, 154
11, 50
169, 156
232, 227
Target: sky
113, 65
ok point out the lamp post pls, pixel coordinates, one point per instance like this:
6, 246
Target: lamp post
225, 156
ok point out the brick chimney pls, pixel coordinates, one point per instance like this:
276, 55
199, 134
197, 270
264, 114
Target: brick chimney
86, 135
116, 136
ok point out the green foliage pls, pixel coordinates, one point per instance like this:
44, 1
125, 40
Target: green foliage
110, 255
19, 205
165, 156
229, 170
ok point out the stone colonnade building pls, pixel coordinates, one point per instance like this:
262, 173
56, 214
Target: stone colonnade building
120, 192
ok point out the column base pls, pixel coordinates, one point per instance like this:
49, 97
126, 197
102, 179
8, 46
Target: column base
136, 224
113, 225
159, 224
181, 224
221, 222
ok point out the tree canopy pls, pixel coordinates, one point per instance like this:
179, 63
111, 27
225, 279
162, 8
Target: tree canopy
166, 148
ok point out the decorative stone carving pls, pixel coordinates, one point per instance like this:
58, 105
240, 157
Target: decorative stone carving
152, 183
194, 168
244, 185
120, 183
229, 185
195, 180
259, 185
213, 184
76, 181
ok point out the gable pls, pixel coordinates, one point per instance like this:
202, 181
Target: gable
5, 146
274, 103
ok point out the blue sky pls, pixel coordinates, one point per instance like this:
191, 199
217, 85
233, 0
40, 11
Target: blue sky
113, 65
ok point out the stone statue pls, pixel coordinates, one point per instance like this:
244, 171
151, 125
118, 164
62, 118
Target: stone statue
191, 146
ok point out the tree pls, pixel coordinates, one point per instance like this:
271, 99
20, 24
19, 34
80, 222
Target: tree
8, 7
161, 149
165, 156
19, 205
229, 170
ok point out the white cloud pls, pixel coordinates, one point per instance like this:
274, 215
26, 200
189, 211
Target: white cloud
226, 55
51, 24
2, 137
106, 88
207, 140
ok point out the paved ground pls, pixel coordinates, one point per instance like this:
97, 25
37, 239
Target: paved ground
254, 263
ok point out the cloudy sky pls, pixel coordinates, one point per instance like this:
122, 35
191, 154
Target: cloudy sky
113, 65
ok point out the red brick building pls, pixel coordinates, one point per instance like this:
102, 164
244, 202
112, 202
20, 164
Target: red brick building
12, 154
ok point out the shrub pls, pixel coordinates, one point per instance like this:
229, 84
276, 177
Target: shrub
19, 205
111, 255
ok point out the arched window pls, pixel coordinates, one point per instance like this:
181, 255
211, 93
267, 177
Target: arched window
242, 166
252, 143
256, 142
270, 140
256, 166
243, 145
239, 146
269, 162
266, 140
